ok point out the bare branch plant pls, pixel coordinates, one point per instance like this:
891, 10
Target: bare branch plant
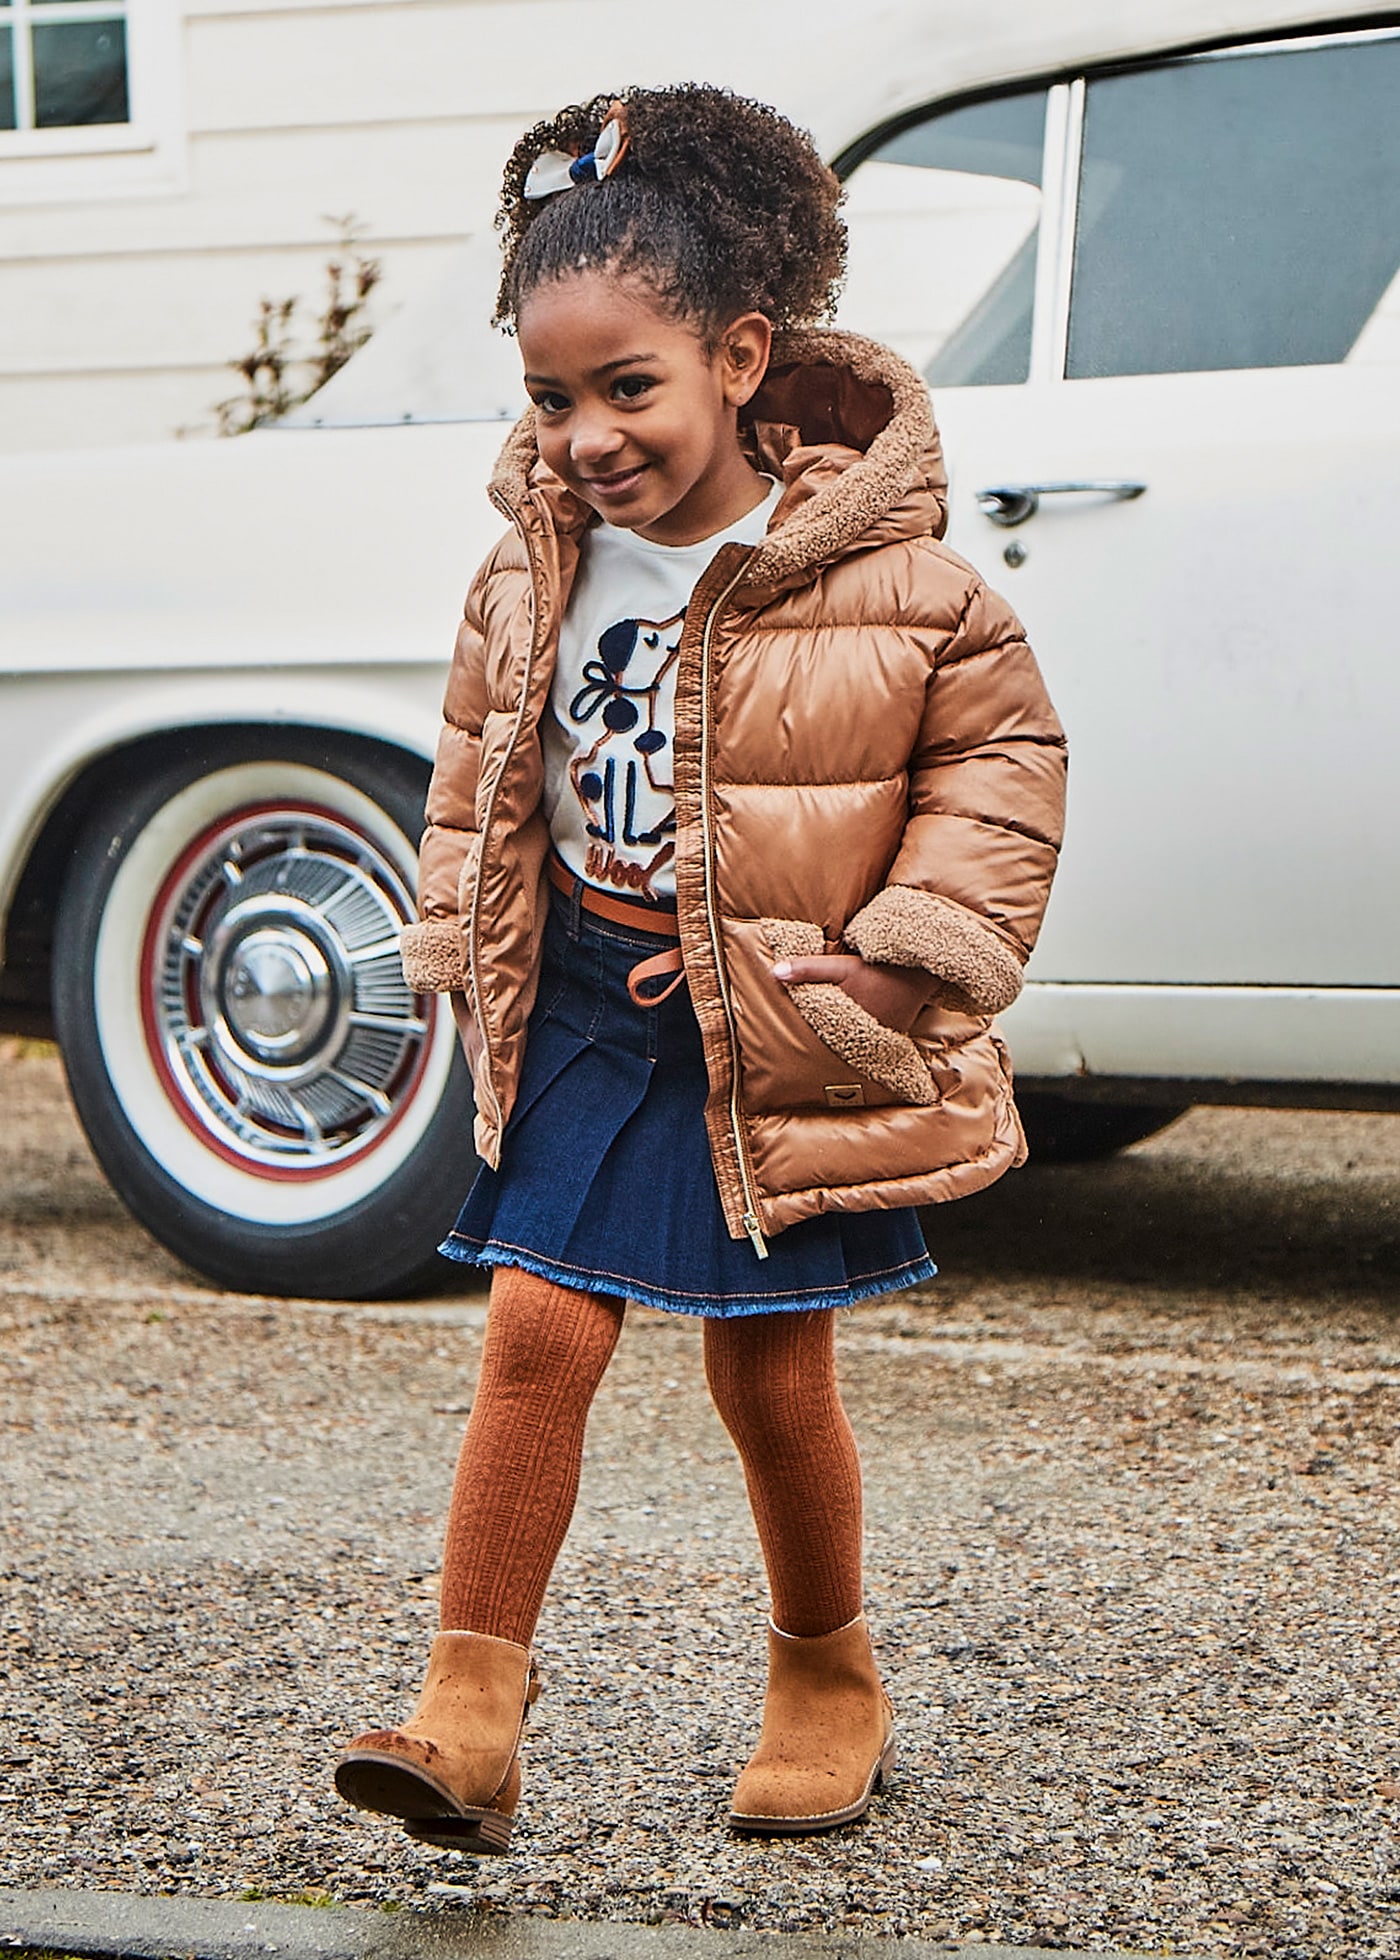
276, 376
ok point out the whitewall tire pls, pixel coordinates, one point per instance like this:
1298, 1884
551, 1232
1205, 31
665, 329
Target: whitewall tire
254, 1074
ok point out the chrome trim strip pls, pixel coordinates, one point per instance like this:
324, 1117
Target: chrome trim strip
1288, 44
1068, 207
1052, 186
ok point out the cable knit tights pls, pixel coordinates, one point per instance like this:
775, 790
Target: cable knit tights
547, 1347
545, 1352
773, 1379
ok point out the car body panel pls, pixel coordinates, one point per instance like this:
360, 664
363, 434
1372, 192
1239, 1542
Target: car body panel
306, 579
1217, 649
1199, 1035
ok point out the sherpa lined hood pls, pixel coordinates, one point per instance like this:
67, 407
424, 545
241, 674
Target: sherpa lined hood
843, 423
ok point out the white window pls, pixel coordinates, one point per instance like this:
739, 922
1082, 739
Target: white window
88, 97
63, 64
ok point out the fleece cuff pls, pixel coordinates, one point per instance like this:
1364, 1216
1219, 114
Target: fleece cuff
903, 926
432, 956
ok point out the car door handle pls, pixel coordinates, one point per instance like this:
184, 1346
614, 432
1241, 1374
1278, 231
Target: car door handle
1013, 503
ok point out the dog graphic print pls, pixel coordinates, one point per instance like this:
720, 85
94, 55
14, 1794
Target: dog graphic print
624, 780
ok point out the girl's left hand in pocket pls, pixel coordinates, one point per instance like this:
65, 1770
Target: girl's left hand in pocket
894, 995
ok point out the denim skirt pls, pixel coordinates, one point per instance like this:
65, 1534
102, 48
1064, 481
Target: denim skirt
606, 1182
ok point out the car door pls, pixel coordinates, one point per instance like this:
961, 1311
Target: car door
1165, 353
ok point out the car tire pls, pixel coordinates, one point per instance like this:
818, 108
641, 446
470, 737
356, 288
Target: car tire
1062, 1130
257, 1081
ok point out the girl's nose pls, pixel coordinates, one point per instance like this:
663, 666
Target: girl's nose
594, 440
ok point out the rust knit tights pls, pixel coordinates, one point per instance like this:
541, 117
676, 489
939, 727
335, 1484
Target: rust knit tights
773, 1379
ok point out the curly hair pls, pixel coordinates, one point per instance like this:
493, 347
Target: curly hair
721, 205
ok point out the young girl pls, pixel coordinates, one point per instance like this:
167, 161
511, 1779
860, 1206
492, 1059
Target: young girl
743, 822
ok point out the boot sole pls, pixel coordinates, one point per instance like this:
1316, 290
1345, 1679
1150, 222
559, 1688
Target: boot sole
828, 1820
486, 1833
428, 1811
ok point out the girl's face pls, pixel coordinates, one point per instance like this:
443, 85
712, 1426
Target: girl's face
634, 412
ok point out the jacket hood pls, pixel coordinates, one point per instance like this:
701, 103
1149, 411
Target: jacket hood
841, 421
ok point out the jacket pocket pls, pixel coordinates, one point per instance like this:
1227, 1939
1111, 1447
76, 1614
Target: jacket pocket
787, 1059
880, 1054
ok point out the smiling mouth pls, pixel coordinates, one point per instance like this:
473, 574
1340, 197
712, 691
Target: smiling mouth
616, 484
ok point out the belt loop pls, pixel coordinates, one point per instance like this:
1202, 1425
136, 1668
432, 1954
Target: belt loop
576, 908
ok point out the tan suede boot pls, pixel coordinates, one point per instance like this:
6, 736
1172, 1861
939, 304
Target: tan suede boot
828, 1736
452, 1772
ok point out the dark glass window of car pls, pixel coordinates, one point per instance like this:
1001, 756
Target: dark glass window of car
945, 223
1237, 212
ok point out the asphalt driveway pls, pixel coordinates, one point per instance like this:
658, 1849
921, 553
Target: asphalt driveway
1131, 1520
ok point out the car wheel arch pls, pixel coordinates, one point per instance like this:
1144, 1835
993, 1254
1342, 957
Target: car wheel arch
34, 889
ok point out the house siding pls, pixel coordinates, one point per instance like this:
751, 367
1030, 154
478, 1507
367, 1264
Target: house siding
119, 313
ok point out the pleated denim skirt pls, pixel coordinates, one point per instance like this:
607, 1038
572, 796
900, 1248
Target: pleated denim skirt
606, 1182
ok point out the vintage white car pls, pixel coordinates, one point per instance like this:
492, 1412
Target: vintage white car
1147, 258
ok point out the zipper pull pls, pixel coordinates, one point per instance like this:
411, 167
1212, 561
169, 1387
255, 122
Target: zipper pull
755, 1232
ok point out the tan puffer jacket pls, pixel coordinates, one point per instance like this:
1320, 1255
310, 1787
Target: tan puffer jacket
865, 757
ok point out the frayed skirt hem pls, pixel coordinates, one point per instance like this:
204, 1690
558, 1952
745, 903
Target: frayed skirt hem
490, 1252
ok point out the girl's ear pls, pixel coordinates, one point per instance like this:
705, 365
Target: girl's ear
744, 348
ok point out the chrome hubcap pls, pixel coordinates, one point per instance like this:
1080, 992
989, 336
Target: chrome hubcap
273, 987
277, 993
274, 990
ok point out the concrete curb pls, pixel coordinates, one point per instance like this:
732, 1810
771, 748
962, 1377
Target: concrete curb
123, 1926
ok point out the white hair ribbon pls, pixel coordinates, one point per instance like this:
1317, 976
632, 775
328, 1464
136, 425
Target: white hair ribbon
552, 171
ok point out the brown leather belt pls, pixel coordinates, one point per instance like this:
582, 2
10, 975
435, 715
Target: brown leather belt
620, 911
641, 918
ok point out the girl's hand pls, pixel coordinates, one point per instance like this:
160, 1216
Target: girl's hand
893, 994
467, 1028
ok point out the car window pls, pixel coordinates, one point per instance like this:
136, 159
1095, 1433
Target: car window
1240, 211
945, 221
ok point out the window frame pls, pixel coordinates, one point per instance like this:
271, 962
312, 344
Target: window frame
96, 159
1066, 101
21, 17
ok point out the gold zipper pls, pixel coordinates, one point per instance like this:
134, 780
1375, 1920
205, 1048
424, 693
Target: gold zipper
750, 1220
474, 916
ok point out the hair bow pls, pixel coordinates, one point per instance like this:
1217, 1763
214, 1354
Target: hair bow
552, 171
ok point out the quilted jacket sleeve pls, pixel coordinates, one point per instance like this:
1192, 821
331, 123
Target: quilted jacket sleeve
433, 953
967, 891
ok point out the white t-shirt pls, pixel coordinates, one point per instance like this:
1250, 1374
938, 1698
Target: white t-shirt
609, 733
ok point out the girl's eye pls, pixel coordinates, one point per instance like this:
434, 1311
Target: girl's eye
552, 404
632, 387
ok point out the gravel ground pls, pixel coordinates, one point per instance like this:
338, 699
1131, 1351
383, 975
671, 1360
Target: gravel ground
1131, 1505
